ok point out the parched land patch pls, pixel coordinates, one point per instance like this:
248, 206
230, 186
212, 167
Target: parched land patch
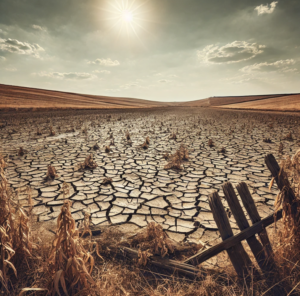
130, 183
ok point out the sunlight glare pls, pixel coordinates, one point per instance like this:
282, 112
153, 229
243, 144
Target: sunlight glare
127, 16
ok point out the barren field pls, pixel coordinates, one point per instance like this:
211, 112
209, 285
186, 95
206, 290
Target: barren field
142, 190
278, 102
286, 103
16, 97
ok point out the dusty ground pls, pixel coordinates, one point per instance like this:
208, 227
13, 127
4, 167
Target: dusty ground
142, 190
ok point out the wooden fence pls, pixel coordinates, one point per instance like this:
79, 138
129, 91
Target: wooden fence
261, 249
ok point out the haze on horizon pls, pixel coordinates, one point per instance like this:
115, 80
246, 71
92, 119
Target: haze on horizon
164, 50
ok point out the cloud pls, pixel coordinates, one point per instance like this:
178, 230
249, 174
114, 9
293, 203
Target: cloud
2, 58
234, 52
15, 46
11, 69
102, 72
165, 75
278, 66
106, 62
37, 27
266, 9
129, 85
137, 83
164, 81
68, 76
112, 90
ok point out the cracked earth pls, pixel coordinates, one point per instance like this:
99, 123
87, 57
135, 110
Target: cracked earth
142, 190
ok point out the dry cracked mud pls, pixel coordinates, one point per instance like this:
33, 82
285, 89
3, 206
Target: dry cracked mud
142, 190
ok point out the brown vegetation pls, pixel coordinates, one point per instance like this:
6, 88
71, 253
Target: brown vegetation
210, 143
280, 149
154, 241
21, 151
166, 156
52, 132
288, 137
15, 241
107, 181
51, 173
267, 140
88, 164
127, 135
176, 159
222, 150
144, 145
173, 136
70, 265
96, 146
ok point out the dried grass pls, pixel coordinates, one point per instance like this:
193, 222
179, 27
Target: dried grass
52, 132
280, 148
166, 156
267, 140
222, 150
96, 146
173, 136
70, 265
107, 181
21, 151
153, 240
15, 241
287, 245
51, 174
288, 137
127, 135
88, 164
145, 145
176, 159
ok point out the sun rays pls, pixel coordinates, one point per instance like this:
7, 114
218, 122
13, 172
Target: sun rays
127, 17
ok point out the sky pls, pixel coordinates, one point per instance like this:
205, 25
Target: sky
162, 50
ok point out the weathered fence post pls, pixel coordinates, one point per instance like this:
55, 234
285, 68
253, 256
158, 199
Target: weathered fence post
242, 223
251, 209
282, 181
237, 254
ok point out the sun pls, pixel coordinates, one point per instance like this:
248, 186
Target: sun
127, 16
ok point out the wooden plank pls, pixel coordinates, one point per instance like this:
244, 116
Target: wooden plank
282, 181
238, 256
273, 167
230, 242
96, 230
242, 222
172, 265
251, 209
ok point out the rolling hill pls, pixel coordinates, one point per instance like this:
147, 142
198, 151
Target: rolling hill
25, 97
274, 102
